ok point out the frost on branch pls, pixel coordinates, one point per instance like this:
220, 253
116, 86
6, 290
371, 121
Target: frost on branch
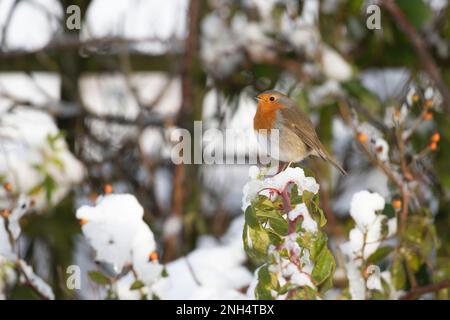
121, 238
282, 233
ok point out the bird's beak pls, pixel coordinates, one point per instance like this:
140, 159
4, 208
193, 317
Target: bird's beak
257, 98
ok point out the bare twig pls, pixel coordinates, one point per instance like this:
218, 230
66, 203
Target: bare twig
73, 43
418, 291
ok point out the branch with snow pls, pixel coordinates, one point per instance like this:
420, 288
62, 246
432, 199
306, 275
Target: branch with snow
10, 259
121, 239
282, 234
364, 248
35, 158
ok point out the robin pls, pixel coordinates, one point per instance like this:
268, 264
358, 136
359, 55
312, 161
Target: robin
297, 137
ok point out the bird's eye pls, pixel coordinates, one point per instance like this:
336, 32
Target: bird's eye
272, 98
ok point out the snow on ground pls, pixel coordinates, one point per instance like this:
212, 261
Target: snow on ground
213, 270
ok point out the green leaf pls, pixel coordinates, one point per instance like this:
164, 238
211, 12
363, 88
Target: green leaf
295, 197
250, 218
305, 293
263, 293
99, 278
52, 139
36, 189
256, 242
416, 11
274, 238
398, 273
277, 222
49, 186
315, 208
356, 89
389, 211
379, 254
414, 230
323, 219
136, 285
264, 276
324, 267
264, 286
318, 244
57, 162
327, 284
412, 259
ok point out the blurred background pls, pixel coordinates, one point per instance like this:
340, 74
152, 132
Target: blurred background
83, 110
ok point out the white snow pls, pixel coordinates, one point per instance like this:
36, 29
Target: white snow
374, 282
172, 226
429, 93
382, 149
301, 280
357, 286
25, 143
334, 66
115, 229
36, 281
265, 186
364, 240
308, 223
363, 208
212, 271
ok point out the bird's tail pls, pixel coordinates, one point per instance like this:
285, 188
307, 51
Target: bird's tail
336, 164
322, 152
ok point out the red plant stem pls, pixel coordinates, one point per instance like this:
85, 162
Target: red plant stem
286, 197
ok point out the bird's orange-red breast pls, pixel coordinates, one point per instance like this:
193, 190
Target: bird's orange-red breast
297, 138
266, 112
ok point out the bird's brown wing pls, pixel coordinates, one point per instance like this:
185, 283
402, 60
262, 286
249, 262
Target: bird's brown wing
298, 121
